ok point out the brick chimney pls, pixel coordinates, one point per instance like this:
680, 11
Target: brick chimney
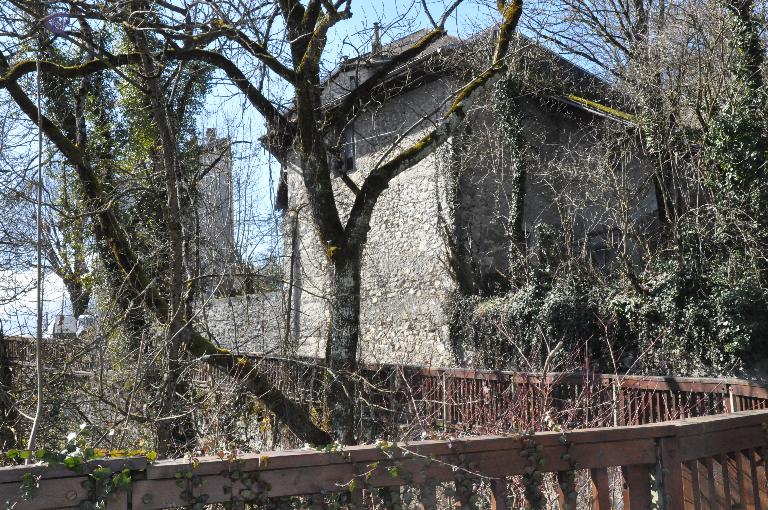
376, 44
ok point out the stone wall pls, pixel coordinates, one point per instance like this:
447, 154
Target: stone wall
214, 216
251, 323
406, 273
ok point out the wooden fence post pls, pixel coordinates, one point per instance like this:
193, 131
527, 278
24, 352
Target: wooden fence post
445, 401
601, 493
118, 500
638, 478
672, 473
730, 403
499, 494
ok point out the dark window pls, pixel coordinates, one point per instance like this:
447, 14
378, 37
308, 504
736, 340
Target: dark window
349, 150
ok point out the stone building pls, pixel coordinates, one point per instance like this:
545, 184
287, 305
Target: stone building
214, 215
229, 309
452, 221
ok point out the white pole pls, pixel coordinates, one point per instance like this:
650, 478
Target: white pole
39, 330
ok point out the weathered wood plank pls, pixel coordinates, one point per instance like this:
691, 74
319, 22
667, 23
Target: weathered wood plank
50, 494
499, 494
715, 484
639, 482
672, 477
14, 473
761, 476
708, 444
601, 498
728, 478
744, 477
695, 486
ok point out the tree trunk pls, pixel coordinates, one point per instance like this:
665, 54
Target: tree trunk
177, 333
9, 417
341, 352
79, 296
120, 259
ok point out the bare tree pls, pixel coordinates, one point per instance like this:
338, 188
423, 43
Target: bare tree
163, 33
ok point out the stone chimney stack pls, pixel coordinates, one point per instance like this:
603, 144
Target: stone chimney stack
376, 44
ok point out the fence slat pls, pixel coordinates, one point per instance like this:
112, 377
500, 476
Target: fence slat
567, 490
601, 489
744, 471
728, 477
499, 494
427, 498
391, 498
639, 481
118, 500
672, 473
715, 500
755, 478
693, 467
762, 477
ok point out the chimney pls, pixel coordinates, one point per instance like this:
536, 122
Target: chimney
376, 44
210, 135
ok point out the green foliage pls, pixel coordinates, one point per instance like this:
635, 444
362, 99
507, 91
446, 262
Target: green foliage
77, 456
514, 330
737, 141
693, 317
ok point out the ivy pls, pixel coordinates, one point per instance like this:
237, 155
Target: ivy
532, 473
698, 314
101, 481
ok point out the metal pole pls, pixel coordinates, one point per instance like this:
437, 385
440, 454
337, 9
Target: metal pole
39, 329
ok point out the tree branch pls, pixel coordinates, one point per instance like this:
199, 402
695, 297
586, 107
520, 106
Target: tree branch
280, 128
378, 180
108, 230
339, 114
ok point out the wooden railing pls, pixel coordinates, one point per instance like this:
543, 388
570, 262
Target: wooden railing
489, 401
705, 462
73, 355
480, 401
673, 442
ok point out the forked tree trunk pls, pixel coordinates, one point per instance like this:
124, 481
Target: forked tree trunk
341, 352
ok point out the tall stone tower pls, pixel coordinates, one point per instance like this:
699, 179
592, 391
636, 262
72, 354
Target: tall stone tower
215, 221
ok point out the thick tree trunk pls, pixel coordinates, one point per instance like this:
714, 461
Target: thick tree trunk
9, 417
341, 353
79, 296
177, 333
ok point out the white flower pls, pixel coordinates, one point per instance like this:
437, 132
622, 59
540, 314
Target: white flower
82, 426
71, 436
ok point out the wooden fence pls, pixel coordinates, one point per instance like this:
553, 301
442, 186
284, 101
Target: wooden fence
490, 401
665, 442
480, 401
695, 463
